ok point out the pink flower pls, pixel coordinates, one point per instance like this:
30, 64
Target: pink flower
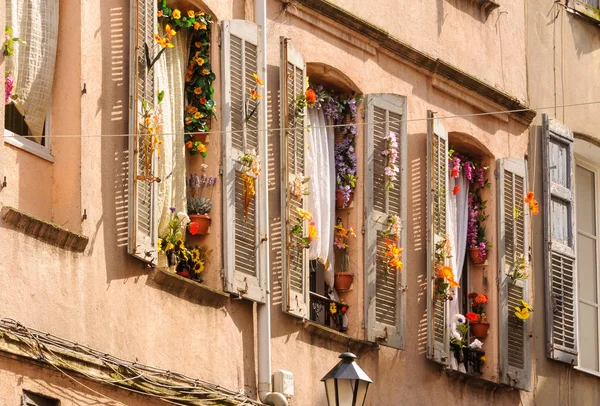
9, 86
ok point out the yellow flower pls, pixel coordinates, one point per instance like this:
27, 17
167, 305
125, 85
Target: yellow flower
199, 13
197, 44
526, 306
304, 214
199, 26
170, 32
332, 308
200, 61
159, 245
169, 247
483, 359
198, 90
176, 14
256, 78
205, 72
255, 95
312, 231
191, 14
201, 148
521, 313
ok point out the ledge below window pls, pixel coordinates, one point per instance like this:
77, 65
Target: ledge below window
187, 289
475, 380
44, 230
486, 5
356, 346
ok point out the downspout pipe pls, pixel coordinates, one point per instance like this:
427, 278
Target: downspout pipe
263, 313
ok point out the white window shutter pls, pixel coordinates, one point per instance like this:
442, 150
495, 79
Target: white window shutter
513, 243
245, 247
295, 257
559, 238
143, 224
385, 293
437, 188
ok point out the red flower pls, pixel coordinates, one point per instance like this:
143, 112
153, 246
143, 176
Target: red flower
456, 190
481, 299
311, 96
193, 226
454, 173
344, 309
472, 317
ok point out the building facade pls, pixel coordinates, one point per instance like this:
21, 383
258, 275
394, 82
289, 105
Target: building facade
419, 112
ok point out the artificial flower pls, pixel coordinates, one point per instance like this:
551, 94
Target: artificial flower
201, 148
198, 115
332, 308
192, 109
183, 217
480, 299
197, 44
188, 120
521, 313
257, 79
304, 214
312, 231
476, 344
483, 359
176, 14
205, 72
472, 317
189, 144
446, 273
198, 90
535, 209
255, 95
159, 245
456, 190
526, 305
160, 13
191, 13
530, 197
457, 335
458, 319
199, 26
169, 247
193, 227
200, 61
311, 96
170, 32
203, 100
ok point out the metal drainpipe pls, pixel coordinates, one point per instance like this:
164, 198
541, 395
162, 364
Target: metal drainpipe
263, 313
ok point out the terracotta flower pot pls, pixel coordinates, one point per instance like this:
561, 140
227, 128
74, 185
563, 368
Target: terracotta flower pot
339, 199
480, 329
200, 137
203, 222
343, 281
475, 257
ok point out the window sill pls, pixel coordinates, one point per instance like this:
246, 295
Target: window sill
187, 289
487, 6
585, 11
44, 230
588, 371
474, 379
356, 346
28, 146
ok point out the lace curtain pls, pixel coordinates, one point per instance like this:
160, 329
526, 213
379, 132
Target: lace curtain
170, 77
36, 23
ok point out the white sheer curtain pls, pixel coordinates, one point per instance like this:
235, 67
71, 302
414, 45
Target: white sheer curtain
458, 210
170, 77
320, 168
36, 23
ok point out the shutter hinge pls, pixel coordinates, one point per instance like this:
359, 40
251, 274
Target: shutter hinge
362, 229
219, 36
220, 169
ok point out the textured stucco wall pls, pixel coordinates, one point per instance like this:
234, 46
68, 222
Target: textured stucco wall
103, 298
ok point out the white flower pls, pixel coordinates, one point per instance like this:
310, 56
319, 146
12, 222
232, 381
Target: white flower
457, 335
183, 218
476, 344
459, 318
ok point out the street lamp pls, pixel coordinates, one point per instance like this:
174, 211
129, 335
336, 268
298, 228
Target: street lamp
346, 384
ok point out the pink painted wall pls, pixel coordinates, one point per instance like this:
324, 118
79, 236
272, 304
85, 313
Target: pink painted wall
103, 297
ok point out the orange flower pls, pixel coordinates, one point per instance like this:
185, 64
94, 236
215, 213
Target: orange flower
197, 44
201, 148
311, 96
529, 197
188, 78
192, 109
198, 90
446, 273
255, 95
205, 72
170, 32
257, 79
535, 209
191, 14
202, 101
480, 299
160, 13
188, 120
189, 145
196, 25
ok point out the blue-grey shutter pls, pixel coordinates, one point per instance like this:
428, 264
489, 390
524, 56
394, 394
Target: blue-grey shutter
385, 292
513, 243
559, 238
143, 222
295, 257
245, 249
437, 189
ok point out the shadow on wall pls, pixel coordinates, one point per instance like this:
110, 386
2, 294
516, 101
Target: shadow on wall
113, 106
585, 34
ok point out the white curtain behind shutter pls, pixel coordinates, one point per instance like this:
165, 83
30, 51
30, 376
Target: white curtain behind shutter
143, 233
513, 242
295, 258
242, 237
385, 297
36, 23
437, 189
559, 237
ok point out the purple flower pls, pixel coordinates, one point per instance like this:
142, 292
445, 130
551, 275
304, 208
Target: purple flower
172, 209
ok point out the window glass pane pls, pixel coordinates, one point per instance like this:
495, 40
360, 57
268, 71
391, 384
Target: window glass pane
593, 3
560, 221
586, 200
587, 269
588, 336
15, 123
558, 163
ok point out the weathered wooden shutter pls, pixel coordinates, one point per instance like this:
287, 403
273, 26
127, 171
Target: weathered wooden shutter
559, 239
513, 243
295, 258
437, 189
243, 242
385, 292
143, 224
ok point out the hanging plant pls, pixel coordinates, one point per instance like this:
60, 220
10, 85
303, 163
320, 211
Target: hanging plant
251, 162
391, 155
150, 128
444, 282
299, 186
520, 269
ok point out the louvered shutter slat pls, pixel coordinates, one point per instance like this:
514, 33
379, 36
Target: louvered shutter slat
385, 300
513, 243
559, 235
245, 249
143, 224
437, 188
295, 257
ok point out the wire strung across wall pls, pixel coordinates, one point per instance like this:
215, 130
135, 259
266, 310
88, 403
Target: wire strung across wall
134, 375
268, 130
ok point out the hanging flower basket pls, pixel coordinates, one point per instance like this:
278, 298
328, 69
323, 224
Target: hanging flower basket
478, 257
343, 281
480, 329
202, 220
339, 199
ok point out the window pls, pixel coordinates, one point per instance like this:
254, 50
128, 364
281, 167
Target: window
32, 44
457, 225
33, 399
